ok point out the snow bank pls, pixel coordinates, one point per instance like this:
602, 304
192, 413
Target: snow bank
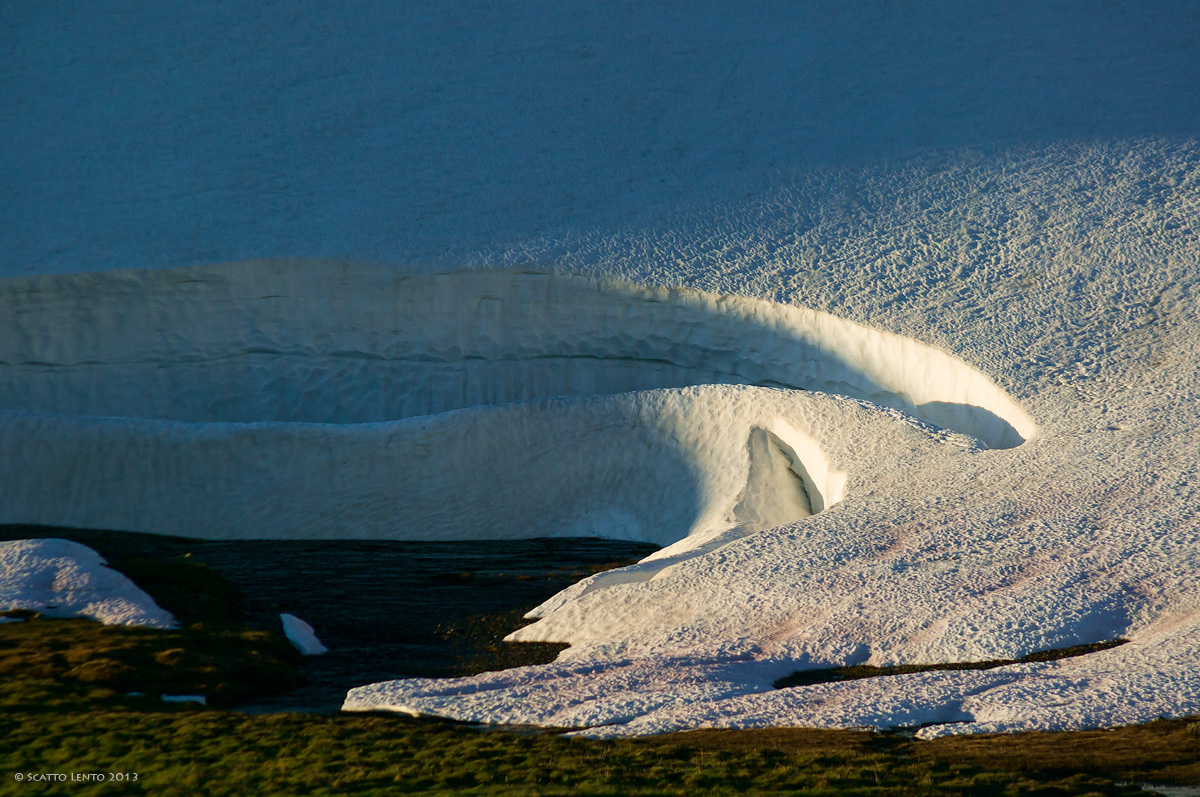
116, 423
1071, 694
60, 578
939, 551
657, 466
321, 342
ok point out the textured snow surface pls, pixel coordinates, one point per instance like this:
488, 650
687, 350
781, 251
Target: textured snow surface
320, 342
191, 134
60, 578
921, 210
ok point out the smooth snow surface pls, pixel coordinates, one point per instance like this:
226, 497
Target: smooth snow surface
301, 635
60, 578
969, 231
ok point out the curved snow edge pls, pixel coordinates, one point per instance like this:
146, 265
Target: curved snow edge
322, 342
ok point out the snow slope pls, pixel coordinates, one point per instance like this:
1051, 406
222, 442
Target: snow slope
389, 132
1016, 186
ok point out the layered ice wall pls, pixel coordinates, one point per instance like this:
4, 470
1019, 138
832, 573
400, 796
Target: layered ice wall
308, 399
320, 342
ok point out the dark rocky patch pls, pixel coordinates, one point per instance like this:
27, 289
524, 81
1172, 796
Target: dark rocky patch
384, 609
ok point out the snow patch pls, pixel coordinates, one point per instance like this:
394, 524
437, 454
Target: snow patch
60, 578
301, 635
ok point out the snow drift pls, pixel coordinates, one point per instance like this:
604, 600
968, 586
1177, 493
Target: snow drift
1013, 184
325, 342
940, 551
314, 400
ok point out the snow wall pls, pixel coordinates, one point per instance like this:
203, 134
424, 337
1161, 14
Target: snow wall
314, 399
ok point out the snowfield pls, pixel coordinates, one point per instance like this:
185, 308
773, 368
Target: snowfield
884, 323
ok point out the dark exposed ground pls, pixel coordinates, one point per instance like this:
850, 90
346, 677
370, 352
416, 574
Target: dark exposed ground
858, 671
384, 609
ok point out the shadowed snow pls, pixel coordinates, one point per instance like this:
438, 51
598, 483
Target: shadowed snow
322, 342
120, 391
1010, 184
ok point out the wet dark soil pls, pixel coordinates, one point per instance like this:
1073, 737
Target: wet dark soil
384, 609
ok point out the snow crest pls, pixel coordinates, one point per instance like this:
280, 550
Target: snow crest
321, 342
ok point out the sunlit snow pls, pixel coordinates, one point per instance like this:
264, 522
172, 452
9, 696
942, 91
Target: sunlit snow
60, 578
881, 320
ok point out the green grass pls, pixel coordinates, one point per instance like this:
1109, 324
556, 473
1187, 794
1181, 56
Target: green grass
193, 751
45, 660
63, 710
57, 663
